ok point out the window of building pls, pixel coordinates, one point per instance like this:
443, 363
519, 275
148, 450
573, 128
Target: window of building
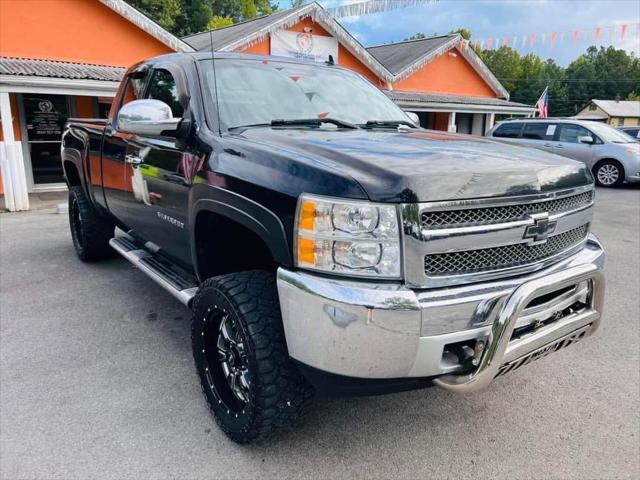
508, 130
539, 131
593, 107
162, 86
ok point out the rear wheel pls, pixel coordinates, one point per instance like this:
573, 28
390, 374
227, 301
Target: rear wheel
90, 231
252, 387
608, 173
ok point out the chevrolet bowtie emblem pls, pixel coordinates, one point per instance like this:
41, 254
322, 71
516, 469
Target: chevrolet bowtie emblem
540, 230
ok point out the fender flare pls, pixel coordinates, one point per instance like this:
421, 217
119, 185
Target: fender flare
244, 211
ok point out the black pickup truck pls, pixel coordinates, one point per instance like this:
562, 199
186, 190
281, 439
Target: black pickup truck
323, 241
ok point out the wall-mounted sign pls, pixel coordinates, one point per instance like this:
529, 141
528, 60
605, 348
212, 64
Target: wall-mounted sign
45, 116
304, 46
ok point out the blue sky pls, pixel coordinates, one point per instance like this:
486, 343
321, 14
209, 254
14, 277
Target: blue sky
500, 18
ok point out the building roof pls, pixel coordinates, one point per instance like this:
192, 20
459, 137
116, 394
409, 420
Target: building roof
398, 56
622, 108
143, 22
54, 69
433, 100
222, 37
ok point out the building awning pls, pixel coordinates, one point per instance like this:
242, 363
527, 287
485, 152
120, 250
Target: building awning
457, 103
57, 77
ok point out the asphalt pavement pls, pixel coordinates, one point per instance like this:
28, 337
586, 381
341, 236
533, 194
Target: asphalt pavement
97, 381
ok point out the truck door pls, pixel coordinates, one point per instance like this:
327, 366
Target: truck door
158, 175
114, 150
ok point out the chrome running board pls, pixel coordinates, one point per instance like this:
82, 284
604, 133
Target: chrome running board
169, 276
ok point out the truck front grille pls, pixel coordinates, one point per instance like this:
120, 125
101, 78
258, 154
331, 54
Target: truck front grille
497, 258
502, 214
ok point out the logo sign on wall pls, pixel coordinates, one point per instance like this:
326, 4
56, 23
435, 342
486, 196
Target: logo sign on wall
304, 46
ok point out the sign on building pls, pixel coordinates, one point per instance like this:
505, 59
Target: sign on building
304, 46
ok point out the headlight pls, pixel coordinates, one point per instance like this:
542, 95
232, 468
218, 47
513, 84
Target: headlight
348, 237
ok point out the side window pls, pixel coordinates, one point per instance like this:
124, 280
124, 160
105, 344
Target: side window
133, 90
508, 130
539, 131
570, 133
162, 86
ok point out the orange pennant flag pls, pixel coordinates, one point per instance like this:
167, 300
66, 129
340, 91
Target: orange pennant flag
553, 38
623, 30
576, 35
598, 32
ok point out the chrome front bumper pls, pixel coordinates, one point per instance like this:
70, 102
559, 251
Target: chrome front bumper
385, 331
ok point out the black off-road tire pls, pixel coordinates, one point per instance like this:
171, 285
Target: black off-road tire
277, 394
608, 173
90, 231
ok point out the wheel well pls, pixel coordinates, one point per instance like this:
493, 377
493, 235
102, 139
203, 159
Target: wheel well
72, 175
225, 246
612, 160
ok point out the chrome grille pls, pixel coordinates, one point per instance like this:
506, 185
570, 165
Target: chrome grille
473, 261
502, 214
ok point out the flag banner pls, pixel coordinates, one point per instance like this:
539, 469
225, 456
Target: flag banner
304, 46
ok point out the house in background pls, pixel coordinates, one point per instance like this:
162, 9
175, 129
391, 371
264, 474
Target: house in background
61, 59
618, 113
441, 79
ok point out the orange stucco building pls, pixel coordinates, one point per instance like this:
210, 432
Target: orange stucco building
70, 62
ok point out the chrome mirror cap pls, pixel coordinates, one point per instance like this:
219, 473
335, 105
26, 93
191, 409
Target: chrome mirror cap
147, 117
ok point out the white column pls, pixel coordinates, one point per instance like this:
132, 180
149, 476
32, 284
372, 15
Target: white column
14, 179
451, 126
491, 120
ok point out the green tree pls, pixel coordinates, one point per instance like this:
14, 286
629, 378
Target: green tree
505, 64
163, 12
219, 22
464, 33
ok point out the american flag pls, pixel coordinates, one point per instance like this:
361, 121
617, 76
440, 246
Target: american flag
543, 104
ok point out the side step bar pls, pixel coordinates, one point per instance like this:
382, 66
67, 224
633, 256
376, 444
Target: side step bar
171, 277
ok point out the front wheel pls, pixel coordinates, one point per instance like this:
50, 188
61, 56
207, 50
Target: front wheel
90, 231
609, 174
252, 387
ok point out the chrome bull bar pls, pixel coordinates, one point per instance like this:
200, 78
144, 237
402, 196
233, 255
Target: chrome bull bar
500, 351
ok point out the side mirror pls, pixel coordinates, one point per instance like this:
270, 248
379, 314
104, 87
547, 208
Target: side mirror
413, 117
147, 117
586, 139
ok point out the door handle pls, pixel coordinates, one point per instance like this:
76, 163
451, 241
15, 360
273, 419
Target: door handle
547, 144
559, 145
133, 160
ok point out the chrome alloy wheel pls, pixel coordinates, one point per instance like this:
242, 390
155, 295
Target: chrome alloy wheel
233, 359
608, 174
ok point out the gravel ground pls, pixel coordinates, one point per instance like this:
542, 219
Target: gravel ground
97, 381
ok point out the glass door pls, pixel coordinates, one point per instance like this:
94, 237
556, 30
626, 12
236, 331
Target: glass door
45, 116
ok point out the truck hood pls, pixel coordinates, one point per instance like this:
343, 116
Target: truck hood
423, 165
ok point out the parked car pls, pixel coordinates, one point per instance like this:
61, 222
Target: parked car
324, 243
634, 132
611, 155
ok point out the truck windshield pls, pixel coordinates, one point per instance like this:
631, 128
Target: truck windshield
257, 92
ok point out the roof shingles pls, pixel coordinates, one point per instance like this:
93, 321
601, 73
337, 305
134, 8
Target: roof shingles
29, 67
396, 57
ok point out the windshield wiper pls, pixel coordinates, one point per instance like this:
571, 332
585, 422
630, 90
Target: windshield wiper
312, 122
388, 124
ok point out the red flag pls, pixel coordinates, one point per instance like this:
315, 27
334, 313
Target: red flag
598, 32
462, 44
532, 39
505, 40
576, 35
489, 43
553, 38
623, 30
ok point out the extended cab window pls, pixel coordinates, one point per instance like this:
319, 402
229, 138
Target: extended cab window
571, 133
539, 131
162, 86
508, 130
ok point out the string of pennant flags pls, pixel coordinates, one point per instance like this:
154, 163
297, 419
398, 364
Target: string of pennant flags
611, 34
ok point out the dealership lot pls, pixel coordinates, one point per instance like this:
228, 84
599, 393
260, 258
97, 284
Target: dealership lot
97, 381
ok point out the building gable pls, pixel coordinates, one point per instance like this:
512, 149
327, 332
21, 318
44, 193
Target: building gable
86, 31
450, 73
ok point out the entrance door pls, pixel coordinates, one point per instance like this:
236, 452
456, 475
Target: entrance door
45, 116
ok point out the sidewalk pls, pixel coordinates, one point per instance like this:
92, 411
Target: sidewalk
41, 201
